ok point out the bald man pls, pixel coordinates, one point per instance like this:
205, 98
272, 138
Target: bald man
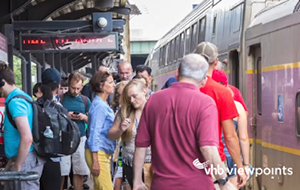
102, 68
125, 71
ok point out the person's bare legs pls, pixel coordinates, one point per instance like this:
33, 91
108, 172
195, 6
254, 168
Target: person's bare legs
233, 180
78, 182
118, 183
62, 182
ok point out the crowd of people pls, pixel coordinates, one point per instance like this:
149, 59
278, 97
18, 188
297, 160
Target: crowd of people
130, 134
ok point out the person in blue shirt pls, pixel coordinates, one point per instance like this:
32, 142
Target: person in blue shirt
169, 82
18, 141
77, 106
101, 117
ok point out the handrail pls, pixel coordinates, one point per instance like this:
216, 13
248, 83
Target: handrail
20, 176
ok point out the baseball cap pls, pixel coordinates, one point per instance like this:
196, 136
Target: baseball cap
219, 76
51, 75
208, 50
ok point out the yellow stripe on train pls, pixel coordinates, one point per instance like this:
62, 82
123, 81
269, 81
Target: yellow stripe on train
277, 67
277, 147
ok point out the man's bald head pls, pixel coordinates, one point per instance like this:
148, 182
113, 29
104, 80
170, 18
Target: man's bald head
102, 68
125, 70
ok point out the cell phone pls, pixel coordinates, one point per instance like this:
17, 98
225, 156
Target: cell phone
76, 113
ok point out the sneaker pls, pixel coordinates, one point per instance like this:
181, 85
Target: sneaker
85, 186
85, 178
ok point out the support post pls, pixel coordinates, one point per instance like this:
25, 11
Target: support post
50, 59
66, 66
28, 79
41, 66
39, 72
43, 63
58, 61
71, 66
94, 65
126, 39
9, 33
24, 74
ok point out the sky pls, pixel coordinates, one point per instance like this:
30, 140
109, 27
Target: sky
158, 17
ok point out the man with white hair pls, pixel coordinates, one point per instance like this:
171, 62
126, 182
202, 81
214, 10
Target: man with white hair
178, 122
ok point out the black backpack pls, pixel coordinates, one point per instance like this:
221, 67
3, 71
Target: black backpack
66, 135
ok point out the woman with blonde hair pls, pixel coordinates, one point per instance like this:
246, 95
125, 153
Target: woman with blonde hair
133, 100
117, 157
115, 104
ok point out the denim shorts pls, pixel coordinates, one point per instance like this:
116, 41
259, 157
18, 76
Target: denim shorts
231, 172
231, 167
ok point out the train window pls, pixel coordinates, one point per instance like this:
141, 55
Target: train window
187, 41
215, 25
201, 33
236, 18
181, 45
160, 57
176, 51
194, 37
171, 50
259, 85
169, 57
297, 111
163, 56
166, 54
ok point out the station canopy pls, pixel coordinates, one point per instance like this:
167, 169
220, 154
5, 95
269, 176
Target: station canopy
61, 10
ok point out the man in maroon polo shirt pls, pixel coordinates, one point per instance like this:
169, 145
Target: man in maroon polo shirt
226, 109
180, 123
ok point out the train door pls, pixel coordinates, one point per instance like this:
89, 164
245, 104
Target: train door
235, 68
256, 118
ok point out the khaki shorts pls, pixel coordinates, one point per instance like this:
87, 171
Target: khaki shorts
77, 160
32, 163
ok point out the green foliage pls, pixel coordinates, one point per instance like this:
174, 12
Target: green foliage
33, 74
18, 72
87, 80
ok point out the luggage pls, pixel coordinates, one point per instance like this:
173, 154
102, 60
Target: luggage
65, 137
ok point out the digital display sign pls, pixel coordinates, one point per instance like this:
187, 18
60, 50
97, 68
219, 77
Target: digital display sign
80, 42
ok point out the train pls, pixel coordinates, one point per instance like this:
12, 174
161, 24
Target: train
259, 43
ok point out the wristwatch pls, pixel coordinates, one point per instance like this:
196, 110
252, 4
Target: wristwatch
221, 181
